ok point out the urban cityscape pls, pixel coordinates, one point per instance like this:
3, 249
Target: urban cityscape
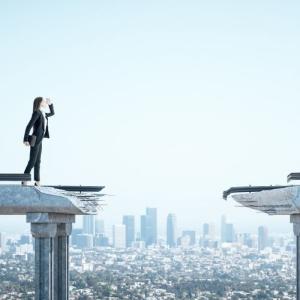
135, 262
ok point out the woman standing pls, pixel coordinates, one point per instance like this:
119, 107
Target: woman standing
39, 123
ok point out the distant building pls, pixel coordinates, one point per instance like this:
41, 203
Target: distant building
223, 228
143, 228
101, 240
208, 243
263, 237
99, 226
171, 230
119, 236
229, 233
129, 223
74, 236
209, 231
191, 234
138, 244
249, 240
88, 225
85, 240
149, 226
25, 239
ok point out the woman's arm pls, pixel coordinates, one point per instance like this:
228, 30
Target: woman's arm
52, 113
33, 119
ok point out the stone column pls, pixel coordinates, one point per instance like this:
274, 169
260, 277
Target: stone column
61, 261
295, 219
51, 232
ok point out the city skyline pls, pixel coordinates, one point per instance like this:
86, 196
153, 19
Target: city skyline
270, 272
160, 107
129, 232
174, 110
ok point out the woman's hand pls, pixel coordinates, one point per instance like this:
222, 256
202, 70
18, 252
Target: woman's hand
48, 100
26, 144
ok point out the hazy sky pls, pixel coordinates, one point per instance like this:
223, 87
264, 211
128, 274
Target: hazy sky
167, 103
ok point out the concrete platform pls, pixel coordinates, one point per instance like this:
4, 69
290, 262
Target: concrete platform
20, 200
50, 212
282, 201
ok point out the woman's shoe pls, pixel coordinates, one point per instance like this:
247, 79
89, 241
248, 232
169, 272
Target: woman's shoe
37, 183
25, 183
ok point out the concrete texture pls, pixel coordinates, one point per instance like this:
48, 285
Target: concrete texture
283, 201
51, 232
295, 219
51, 213
20, 200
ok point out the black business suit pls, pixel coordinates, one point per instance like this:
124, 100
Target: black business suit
37, 123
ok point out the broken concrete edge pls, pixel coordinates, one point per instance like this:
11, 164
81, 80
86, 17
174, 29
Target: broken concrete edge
20, 200
282, 201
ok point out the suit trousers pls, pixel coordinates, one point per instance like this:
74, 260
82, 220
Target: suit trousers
35, 160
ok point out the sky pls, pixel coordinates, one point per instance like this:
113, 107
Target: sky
166, 103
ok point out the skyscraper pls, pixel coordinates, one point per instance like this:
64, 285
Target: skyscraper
223, 228
263, 237
99, 226
143, 227
149, 226
208, 231
85, 240
101, 240
88, 224
229, 233
129, 223
171, 230
119, 236
74, 236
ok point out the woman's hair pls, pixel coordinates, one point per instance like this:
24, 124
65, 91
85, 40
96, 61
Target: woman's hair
36, 103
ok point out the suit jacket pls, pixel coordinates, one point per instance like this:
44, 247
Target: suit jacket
37, 123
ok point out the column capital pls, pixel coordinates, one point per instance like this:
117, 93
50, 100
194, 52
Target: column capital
49, 218
40, 230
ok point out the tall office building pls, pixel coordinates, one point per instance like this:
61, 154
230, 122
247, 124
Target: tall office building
119, 236
229, 233
171, 230
263, 237
143, 228
85, 240
88, 224
99, 226
223, 228
129, 223
101, 240
149, 226
209, 231
74, 236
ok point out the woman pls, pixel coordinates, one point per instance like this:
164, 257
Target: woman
39, 123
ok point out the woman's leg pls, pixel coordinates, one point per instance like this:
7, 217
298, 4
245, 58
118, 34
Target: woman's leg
38, 163
32, 158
